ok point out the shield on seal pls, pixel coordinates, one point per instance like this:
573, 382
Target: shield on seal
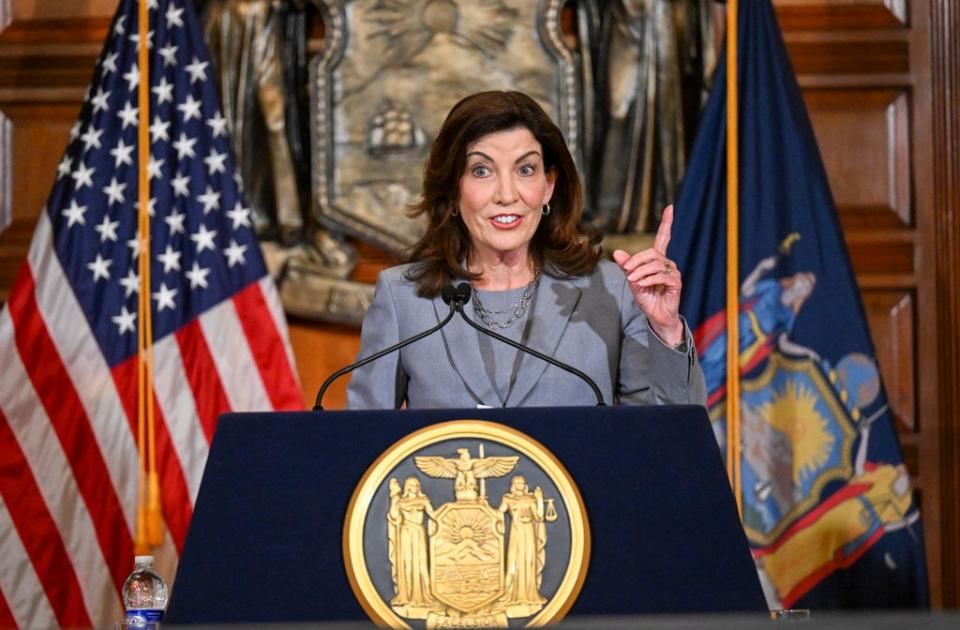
466, 556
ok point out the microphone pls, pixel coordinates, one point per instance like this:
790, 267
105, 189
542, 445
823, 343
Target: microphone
455, 297
462, 294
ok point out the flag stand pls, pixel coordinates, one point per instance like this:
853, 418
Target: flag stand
149, 526
732, 284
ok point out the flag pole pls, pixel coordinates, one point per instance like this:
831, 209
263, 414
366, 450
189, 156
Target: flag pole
149, 530
733, 282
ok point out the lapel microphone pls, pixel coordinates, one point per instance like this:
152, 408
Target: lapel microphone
461, 295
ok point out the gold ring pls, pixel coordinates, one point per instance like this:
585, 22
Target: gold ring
667, 267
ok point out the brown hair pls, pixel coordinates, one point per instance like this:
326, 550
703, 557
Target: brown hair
561, 244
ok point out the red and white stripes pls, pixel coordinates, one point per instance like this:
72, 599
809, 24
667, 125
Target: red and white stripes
68, 457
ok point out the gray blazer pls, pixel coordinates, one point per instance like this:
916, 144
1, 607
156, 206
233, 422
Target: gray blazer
592, 323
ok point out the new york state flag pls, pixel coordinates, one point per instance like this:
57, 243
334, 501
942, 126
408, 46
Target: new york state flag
827, 502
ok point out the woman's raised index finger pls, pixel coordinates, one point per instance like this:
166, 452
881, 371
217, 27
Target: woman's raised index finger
663, 232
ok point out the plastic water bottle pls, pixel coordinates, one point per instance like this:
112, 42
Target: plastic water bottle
144, 594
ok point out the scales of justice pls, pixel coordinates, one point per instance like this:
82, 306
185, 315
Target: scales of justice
450, 566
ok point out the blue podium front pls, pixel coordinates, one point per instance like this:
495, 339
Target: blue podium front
266, 540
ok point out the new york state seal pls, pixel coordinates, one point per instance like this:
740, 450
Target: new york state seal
466, 524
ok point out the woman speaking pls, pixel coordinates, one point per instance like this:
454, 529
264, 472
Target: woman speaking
503, 204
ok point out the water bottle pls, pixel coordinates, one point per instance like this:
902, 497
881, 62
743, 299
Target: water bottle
144, 594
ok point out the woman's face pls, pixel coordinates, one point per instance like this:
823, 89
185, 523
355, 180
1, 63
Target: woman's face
502, 192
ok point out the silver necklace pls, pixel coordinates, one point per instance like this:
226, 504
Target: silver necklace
516, 311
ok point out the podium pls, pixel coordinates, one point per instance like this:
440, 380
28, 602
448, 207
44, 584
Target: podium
264, 544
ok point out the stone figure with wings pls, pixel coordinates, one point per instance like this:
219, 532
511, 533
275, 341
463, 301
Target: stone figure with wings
465, 470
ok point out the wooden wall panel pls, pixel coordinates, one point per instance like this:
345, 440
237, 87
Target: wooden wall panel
320, 351
890, 315
47, 52
833, 55
32, 10
940, 147
842, 14
864, 138
6, 171
38, 135
886, 253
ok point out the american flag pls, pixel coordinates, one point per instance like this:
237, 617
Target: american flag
68, 334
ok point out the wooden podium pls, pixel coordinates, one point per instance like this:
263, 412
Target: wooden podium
265, 541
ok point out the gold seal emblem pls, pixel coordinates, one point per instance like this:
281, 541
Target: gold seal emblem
466, 524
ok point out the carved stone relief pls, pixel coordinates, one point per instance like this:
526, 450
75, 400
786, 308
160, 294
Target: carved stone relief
389, 72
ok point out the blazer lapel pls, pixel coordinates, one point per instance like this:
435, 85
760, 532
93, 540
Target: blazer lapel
463, 348
556, 301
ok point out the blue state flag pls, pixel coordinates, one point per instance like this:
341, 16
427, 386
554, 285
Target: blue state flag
827, 502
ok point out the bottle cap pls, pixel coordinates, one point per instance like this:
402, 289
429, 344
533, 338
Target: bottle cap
143, 560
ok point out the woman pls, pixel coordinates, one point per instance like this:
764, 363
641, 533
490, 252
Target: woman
503, 204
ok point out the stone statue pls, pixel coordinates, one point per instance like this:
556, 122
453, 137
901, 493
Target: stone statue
649, 62
258, 52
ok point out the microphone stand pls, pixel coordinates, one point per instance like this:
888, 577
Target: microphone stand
449, 296
457, 298
463, 294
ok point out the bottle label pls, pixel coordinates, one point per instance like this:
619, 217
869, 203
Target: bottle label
142, 617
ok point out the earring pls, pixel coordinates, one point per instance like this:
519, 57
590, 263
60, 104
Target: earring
546, 209
455, 212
